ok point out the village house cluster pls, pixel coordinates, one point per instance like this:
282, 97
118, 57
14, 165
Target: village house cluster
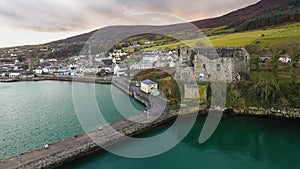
22, 63
156, 59
19, 66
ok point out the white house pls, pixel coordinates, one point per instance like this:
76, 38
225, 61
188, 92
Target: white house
27, 75
88, 69
161, 64
3, 75
141, 65
148, 86
116, 70
38, 71
285, 58
14, 75
172, 64
45, 70
150, 58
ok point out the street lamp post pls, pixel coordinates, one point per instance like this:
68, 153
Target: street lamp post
18, 149
1, 155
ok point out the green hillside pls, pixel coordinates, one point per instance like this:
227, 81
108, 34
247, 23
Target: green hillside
283, 11
277, 37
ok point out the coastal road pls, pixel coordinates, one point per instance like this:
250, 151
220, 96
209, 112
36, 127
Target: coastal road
156, 104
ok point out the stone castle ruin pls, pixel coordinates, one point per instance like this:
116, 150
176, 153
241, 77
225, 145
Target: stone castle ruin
214, 64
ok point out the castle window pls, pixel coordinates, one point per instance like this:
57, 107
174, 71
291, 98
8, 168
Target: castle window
218, 67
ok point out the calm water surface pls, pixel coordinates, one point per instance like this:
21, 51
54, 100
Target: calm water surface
36, 113
238, 143
33, 114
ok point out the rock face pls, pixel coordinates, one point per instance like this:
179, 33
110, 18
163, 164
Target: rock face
224, 63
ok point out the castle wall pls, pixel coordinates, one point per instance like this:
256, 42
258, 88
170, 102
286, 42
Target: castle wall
224, 63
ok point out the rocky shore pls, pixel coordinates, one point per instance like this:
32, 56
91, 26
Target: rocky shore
72, 148
81, 145
261, 112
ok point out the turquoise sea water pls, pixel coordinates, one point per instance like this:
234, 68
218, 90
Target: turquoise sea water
33, 114
238, 143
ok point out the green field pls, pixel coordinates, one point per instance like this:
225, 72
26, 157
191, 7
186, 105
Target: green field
288, 35
276, 37
241, 39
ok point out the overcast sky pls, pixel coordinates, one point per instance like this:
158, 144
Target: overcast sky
38, 21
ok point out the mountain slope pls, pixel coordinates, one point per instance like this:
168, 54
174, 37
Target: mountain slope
262, 14
288, 10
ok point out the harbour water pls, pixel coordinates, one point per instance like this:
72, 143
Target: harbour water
239, 142
33, 114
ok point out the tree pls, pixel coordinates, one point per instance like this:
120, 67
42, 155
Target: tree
276, 56
233, 98
21, 58
255, 59
295, 65
266, 89
283, 103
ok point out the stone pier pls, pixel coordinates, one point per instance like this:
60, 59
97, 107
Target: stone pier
72, 148
75, 147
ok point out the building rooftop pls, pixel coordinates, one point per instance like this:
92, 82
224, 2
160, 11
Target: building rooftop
108, 62
148, 82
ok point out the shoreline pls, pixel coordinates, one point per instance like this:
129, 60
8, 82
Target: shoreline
78, 146
289, 114
86, 79
81, 145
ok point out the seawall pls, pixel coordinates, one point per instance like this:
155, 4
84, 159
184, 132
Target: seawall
72, 148
81, 145
261, 112
62, 78
78, 146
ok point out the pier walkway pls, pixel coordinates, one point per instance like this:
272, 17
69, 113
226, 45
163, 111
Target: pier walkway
78, 146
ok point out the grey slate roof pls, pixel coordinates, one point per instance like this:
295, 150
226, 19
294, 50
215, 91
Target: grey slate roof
148, 82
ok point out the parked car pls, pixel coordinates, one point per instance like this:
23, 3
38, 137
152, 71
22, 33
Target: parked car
137, 84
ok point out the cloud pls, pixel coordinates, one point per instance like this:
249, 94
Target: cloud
79, 15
